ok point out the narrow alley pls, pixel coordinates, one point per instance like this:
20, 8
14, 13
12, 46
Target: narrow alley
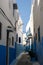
21, 32
25, 59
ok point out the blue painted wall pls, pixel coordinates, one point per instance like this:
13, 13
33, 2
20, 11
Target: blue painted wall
19, 49
34, 45
12, 54
27, 48
39, 51
2, 55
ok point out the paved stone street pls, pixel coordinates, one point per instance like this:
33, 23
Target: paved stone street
24, 60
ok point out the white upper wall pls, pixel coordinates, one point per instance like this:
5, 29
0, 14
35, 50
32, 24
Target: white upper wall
24, 38
38, 1
20, 21
19, 28
7, 7
20, 25
30, 23
16, 12
14, 1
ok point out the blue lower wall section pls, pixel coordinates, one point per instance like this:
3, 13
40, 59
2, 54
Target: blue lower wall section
12, 54
2, 55
34, 46
19, 49
39, 51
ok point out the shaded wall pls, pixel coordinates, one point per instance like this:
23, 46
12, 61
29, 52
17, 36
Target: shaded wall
19, 49
39, 51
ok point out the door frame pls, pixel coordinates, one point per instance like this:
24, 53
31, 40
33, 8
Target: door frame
7, 47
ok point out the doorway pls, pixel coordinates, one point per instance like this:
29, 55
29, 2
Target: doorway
7, 47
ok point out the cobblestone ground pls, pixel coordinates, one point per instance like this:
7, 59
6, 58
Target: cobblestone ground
24, 60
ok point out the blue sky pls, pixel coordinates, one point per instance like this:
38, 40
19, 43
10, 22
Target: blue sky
24, 7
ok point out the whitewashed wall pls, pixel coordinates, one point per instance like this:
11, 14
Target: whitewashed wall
24, 38
30, 23
20, 29
8, 9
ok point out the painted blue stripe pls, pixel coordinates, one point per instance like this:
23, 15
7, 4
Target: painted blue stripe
39, 51
12, 54
2, 55
19, 49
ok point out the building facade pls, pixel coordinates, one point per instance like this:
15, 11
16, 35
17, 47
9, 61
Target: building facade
19, 30
7, 31
38, 28
24, 39
19, 38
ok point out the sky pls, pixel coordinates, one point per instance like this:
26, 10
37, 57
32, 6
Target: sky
24, 7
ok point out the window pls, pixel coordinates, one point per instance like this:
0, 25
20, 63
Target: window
0, 29
39, 34
19, 39
15, 6
12, 40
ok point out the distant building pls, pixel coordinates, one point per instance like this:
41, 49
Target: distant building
19, 36
19, 30
24, 38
